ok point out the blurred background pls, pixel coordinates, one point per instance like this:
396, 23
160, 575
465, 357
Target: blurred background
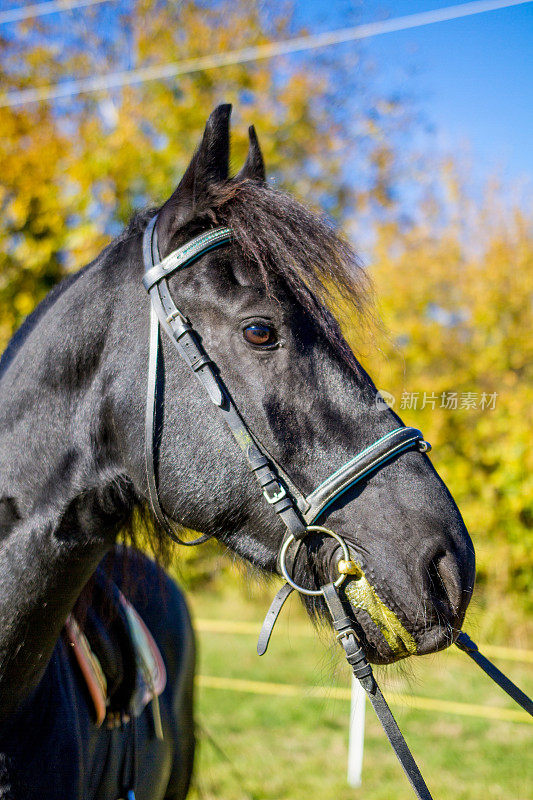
413, 133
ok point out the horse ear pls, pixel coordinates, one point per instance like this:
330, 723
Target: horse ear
209, 164
254, 166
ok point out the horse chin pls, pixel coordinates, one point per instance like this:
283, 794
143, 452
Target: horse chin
381, 633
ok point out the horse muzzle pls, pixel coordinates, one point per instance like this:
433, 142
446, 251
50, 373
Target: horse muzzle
383, 627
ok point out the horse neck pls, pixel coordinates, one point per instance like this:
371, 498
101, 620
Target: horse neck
63, 495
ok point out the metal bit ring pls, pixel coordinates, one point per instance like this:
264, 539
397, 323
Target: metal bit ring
283, 552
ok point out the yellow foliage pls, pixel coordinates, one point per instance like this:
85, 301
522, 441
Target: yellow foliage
72, 175
458, 312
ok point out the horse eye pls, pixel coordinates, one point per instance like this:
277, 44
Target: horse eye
260, 335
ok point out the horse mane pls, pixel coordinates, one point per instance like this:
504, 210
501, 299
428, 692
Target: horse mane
289, 245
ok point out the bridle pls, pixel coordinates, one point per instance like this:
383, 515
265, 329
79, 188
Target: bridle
298, 512
295, 509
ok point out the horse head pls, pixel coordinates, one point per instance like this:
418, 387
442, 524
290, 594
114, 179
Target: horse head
259, 306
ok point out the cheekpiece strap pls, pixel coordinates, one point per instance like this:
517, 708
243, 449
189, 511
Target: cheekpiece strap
153, 400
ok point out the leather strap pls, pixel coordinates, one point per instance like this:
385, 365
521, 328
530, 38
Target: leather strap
185, 255
153, 405
363, 671
465, 643
184, 338
364, 463
398, 744
271, 617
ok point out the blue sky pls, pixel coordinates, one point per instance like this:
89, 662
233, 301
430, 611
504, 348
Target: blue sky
472, 78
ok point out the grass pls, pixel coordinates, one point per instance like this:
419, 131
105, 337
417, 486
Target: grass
268, 747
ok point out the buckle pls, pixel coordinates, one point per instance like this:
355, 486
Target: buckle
277, 495
345, 633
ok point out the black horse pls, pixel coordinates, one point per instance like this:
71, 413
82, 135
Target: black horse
72, 406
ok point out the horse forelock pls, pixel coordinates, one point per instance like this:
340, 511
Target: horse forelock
288, 245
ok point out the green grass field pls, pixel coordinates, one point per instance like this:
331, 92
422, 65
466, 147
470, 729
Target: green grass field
263, 742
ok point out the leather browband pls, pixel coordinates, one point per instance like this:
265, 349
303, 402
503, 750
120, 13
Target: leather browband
185, 255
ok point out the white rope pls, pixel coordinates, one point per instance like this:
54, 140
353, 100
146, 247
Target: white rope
40, 9
129, 77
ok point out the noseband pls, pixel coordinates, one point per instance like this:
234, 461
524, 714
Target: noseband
298, 512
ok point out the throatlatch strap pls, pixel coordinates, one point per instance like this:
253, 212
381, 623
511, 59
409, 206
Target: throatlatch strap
363, 671
465, 643
271, 617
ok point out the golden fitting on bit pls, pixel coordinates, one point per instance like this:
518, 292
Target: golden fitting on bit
349, 568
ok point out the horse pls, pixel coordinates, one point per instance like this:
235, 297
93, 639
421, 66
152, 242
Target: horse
82, 461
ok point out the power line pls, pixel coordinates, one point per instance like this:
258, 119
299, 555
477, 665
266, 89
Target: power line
129, 77
40, 9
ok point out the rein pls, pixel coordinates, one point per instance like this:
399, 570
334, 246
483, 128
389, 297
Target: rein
297, 511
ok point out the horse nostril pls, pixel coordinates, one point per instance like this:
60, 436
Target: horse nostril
445, 583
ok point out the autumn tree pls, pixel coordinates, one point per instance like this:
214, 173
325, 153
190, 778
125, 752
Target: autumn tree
455, 290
